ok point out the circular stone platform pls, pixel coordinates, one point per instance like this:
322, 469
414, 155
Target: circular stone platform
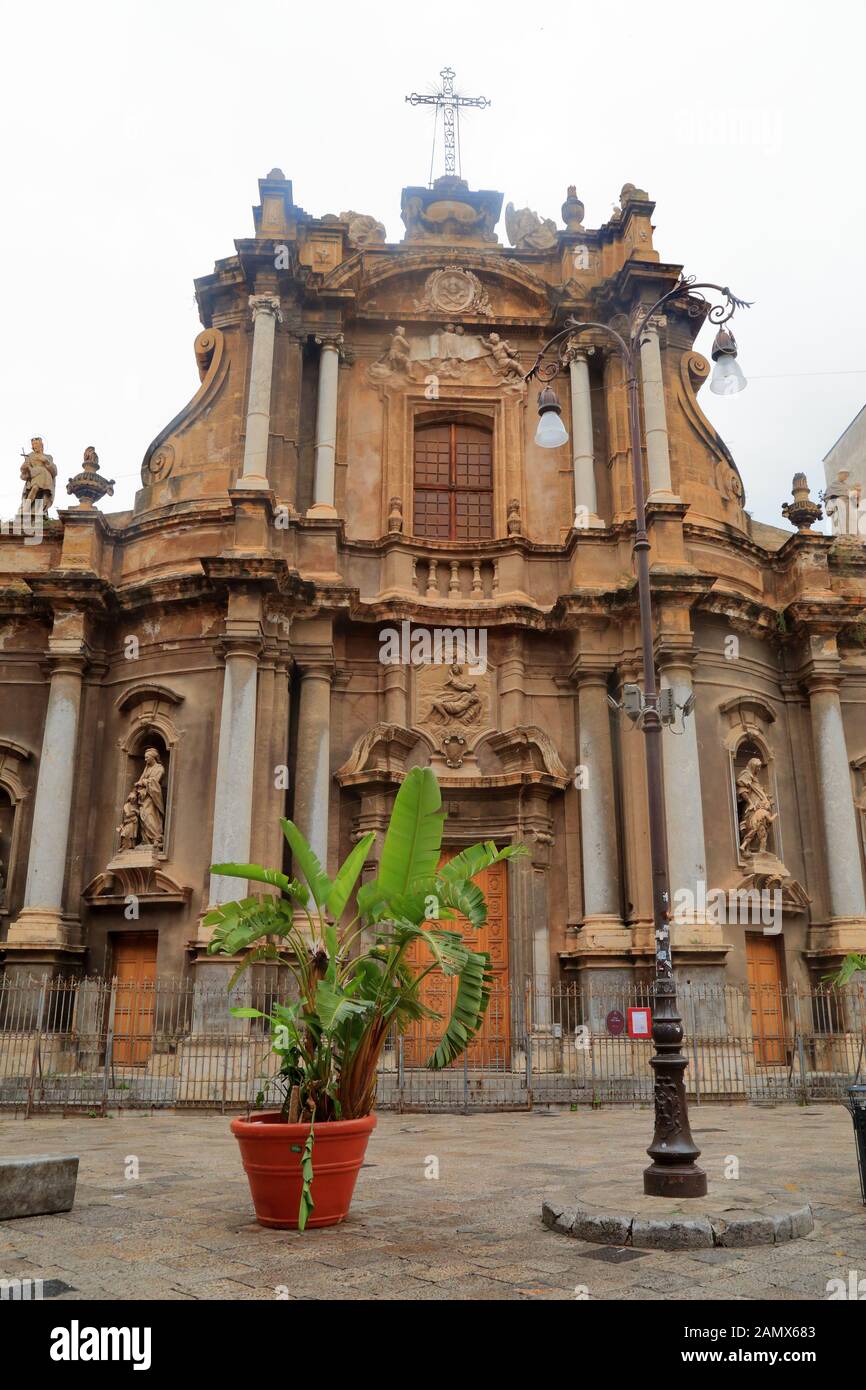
611, 1213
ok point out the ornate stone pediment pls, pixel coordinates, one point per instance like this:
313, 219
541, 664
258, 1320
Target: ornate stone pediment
529, 749
767, 874
135, 874
384, 748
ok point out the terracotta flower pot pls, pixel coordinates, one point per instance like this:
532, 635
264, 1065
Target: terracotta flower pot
271, 1152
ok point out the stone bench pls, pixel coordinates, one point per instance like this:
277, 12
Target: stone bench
36, 1186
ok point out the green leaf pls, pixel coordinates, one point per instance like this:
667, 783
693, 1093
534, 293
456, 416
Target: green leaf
471, 861
413, 841
320, 884
256, 874
372, 903
307, 1204
333, 1005
465, 897
851, 965
346, 877
470, 1005
247, 1013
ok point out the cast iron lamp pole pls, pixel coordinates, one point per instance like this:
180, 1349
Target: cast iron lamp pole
673, 1171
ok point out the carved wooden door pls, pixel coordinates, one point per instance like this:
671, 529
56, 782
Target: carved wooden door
135, 997
491, 1047
765, 995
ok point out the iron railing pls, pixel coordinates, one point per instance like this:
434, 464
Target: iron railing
98, 1045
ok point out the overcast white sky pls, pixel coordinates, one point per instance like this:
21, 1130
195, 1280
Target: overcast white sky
135, 134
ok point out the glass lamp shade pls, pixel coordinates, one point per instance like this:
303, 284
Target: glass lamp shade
551, 432
727, 378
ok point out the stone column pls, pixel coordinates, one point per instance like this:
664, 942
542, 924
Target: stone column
394, 684
233, 801
835, 800
265, 313
583, 450
512, 685
684, 817
41, 921
598, 836
326, 427
655, 417
313, 762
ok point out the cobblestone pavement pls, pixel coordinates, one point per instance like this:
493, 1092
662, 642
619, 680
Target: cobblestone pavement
184, 1228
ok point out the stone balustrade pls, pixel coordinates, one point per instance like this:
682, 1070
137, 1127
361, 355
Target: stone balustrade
455, 579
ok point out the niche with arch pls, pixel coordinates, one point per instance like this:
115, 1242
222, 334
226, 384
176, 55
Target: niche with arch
13, 793
754, 802
147, 770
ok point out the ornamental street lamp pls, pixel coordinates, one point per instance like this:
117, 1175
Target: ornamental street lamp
673, 1171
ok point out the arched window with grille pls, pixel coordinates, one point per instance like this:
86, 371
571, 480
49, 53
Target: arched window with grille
453, 490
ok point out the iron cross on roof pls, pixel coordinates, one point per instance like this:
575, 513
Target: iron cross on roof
449, 103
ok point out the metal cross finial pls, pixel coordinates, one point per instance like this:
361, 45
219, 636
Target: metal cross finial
449, 103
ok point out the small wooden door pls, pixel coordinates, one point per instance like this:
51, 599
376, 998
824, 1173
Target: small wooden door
765, 994
135, 997
491, 1047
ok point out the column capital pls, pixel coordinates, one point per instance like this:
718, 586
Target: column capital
330, 342
823, 681
65, 663
242, 638
315, 665
265, 304
590, 671
577, 350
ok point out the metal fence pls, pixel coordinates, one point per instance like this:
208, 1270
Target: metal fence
95, 1045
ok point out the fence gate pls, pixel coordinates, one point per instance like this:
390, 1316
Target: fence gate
98, 1044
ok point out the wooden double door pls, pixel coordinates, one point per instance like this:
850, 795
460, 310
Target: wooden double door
764, 965
492, 1045
134, 971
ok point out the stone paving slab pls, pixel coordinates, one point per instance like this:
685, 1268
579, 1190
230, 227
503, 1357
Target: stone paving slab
184, 1228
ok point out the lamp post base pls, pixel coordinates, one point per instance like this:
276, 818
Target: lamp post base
674, 1171
679, 1180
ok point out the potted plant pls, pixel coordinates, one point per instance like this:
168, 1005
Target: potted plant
353, 987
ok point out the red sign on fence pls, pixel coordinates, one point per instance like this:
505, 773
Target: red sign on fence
640, 1023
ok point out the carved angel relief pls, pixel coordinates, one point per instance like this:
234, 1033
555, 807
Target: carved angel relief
453, 703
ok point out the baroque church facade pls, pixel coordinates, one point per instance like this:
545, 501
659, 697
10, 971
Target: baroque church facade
356, 467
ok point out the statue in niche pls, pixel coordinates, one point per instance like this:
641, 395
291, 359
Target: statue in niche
142, 821
151, 800
527, 231
463, 705
129, 822
39, 474
755, 809
506, 358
